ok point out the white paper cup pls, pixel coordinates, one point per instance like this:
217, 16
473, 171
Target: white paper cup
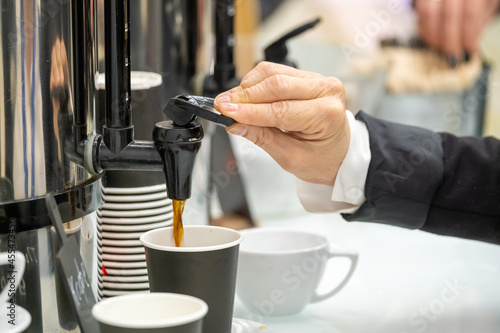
134, 227
122, 265
135, 213
136, 220
119, 235
135, 197
150, 313
118, 242
125, 285
134, 190
136, 205
125, 272
122, 250
121, 258
112, 293
123, 279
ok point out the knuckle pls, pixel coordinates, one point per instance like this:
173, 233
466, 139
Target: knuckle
328, 112
279, 109
242, 96
260, 138
278, 82
341, 95
245, 82
265, 67
334, 87
335, 83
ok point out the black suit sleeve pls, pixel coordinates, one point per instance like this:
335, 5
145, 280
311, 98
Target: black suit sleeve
438, 183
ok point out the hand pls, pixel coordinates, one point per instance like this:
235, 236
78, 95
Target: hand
297, 117
454, 26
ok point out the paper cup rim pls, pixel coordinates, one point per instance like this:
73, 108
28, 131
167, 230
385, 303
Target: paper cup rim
97, 311
148, 244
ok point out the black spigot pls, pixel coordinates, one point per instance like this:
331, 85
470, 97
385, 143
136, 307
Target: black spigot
178, 146
178, 140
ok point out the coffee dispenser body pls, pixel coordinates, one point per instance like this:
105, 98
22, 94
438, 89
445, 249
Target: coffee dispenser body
49, 115
48, 103
48, 68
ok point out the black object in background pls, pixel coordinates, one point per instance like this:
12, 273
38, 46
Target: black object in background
74, 275
267, 7
277, 51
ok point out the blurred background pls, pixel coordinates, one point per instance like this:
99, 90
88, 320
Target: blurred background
401, 273
411, 85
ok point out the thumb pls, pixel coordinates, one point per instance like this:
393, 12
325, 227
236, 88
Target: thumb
274, 141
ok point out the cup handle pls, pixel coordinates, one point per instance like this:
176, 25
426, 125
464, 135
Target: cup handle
19, 263
353, 257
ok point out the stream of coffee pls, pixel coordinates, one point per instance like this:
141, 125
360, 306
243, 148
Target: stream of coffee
178, 206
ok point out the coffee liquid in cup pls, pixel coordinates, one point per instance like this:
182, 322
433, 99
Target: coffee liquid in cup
178, 206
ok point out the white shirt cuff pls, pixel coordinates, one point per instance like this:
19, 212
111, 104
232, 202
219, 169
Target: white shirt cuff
347, 194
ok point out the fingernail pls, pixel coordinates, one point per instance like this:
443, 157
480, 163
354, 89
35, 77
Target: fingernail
229, 106
224, 98
466, 56
452, 61
237, 130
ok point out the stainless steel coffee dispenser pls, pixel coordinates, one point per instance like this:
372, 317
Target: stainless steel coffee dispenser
48, 139
47, 105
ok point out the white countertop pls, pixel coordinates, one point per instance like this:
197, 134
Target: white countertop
406, 281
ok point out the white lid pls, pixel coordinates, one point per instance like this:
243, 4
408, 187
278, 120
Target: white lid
153, 310
138, 80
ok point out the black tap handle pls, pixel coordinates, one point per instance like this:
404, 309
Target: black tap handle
277, 51
183, 109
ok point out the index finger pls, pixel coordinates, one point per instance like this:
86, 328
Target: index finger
306, 117
281, 87
267, 69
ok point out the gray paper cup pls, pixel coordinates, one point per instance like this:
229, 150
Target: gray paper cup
150, 313
204, 266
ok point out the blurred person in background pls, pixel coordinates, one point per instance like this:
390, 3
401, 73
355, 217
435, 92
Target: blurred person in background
454, 26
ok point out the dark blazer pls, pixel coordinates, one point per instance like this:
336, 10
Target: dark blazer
430, 181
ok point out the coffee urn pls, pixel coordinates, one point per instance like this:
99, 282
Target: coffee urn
49, 143
48, 92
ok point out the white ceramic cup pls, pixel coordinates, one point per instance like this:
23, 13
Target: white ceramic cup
17, 263
14, 313
279, 270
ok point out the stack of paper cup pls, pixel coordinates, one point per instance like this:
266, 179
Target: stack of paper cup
124, 216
